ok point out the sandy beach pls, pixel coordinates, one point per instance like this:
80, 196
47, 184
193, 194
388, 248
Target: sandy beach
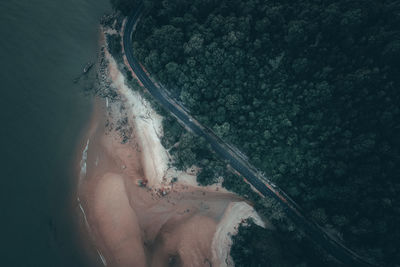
132, 212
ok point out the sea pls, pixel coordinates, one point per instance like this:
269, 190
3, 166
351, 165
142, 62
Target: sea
44, 46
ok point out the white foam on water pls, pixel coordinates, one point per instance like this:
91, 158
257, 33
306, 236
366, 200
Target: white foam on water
84, 214
103, 260
106, 101
82, 173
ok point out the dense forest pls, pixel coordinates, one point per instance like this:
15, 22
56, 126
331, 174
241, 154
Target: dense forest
308, 90
254, 236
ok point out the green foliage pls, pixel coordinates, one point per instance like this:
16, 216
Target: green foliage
189, 150
114, 45
307, 89
255, 246
236, 184
128, 74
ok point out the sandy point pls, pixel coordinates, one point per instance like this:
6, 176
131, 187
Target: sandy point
132, 223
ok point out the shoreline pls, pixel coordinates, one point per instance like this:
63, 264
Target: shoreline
160, 221
79, 220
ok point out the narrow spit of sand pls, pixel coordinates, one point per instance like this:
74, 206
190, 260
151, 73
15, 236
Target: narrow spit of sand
131, 225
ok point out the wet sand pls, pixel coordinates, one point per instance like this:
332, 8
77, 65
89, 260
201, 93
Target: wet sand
161, 223
137, 226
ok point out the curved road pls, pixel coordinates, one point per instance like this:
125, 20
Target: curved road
235, 159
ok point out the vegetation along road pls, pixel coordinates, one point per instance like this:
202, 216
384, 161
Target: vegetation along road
234, 158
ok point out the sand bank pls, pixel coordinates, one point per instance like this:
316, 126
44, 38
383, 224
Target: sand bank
160, 224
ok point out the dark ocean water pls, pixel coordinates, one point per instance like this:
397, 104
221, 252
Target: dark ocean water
44, 44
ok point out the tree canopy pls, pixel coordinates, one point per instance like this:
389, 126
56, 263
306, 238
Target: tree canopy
309, 90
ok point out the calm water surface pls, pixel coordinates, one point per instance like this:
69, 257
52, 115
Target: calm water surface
44, 44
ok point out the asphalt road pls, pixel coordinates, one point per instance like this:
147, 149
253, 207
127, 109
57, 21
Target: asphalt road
236, 161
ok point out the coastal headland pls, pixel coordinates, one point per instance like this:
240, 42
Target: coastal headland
137, 209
